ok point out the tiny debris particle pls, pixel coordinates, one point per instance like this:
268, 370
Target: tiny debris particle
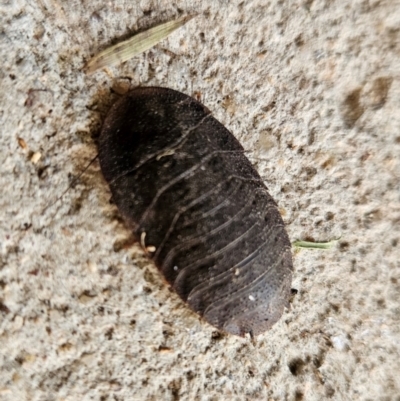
251, 298
340, 343
176, 268
147, 248
142, 238
22, 143
237, 272
36, 157
164, 350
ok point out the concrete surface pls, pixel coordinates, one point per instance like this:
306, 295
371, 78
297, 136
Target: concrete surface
312, 90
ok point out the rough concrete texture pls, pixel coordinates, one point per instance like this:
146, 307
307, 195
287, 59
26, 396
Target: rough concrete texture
312, 90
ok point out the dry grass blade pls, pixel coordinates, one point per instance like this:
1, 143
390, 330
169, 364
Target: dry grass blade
315, 245
137, 44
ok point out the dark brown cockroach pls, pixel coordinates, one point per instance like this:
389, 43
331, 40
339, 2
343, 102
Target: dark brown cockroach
183, 184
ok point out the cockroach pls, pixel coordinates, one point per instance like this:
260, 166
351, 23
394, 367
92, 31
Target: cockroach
200, 210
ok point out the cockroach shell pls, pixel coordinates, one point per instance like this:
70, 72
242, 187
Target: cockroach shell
183, 184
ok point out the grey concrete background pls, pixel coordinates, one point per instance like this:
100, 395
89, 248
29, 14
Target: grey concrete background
312, 90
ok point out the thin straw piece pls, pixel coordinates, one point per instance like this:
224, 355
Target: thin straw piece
315, 245
137, 44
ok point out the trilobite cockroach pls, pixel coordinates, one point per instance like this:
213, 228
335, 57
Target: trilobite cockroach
183, 184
